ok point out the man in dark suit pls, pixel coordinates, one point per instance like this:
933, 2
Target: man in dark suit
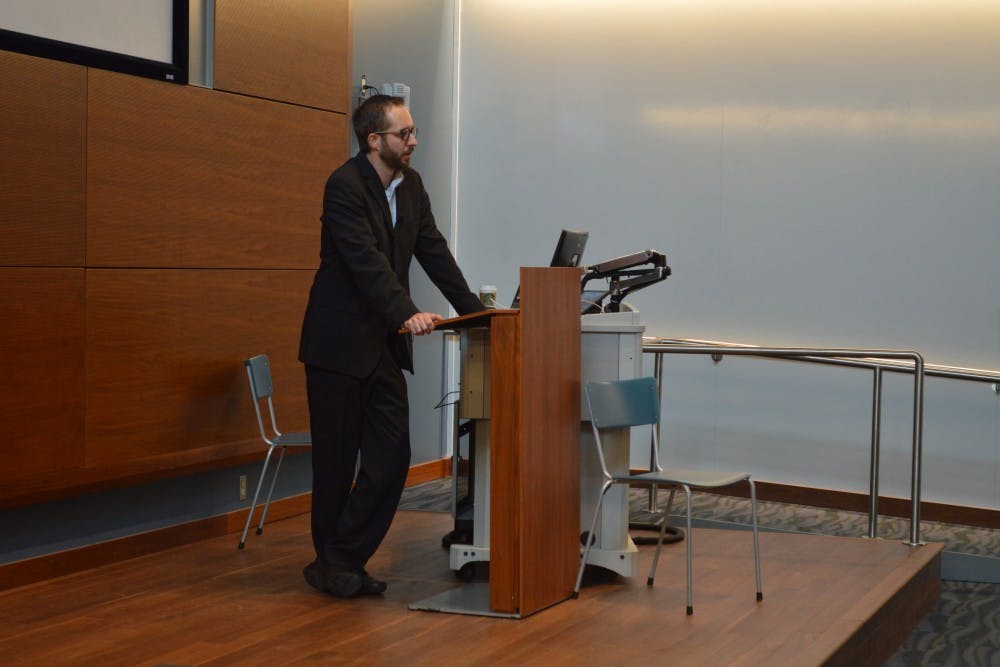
376, 218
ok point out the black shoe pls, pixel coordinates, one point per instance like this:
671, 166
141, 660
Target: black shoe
370, 585
343, 583
340, 583
313, 575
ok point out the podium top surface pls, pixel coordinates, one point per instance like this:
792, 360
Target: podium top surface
472, 320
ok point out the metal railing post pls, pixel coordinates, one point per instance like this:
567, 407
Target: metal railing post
918, 441
876, 441
658, 374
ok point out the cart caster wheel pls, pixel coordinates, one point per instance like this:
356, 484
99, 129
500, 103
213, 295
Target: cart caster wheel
467, 572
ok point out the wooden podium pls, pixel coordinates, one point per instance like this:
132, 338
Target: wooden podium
534, 413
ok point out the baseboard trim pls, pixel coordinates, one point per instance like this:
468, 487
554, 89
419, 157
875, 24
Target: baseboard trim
62, 563
426, 472
981, 517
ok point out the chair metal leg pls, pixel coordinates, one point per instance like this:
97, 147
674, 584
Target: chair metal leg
687, 540
590, 537
663, 532
756, 540
670, 503
270, 492
256, 494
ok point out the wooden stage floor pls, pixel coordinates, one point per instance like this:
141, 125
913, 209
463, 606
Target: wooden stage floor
827, 600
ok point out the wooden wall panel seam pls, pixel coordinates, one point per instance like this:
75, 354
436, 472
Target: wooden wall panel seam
254, 55
276, 100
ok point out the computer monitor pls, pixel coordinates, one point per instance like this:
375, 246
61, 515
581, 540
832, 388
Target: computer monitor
568, 252
569, 249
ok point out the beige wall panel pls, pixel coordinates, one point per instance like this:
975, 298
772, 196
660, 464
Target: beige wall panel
292, 51
41, 362
165, 351
180, 176
42, 127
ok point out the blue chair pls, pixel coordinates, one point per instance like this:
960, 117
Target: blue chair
259, 374
626, 403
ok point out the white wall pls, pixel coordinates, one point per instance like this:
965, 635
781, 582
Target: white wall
411, 41
817, 174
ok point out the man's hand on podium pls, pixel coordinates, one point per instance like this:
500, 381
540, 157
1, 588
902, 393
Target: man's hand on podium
421, 323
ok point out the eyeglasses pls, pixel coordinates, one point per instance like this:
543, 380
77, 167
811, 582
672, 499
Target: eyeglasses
403, 134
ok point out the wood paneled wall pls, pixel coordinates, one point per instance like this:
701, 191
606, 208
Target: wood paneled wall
43, 111
171, 340
179, 176
42, 358
254, 55
156, 235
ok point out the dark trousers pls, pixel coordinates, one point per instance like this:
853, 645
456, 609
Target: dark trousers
348, 415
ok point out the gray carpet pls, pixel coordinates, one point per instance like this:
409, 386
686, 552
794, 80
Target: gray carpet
963, 628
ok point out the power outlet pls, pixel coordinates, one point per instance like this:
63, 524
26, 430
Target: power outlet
243, 487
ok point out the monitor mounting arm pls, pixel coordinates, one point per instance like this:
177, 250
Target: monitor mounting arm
624, 278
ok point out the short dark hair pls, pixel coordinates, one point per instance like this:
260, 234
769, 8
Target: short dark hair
372, 115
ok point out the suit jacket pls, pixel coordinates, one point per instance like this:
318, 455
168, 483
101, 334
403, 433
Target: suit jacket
361, 293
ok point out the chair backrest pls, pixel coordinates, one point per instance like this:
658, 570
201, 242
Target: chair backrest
259, 370
261, 389
623, 403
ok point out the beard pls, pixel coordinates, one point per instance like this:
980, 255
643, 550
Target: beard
396, 160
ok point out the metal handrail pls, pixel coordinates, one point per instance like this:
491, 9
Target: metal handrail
877, 360
934, 370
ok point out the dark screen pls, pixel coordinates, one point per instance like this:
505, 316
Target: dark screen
569, 249
569, 252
